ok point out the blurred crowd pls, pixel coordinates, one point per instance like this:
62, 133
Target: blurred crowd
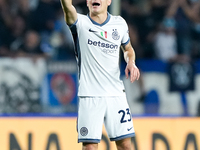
164, 29
35, 29
167, 30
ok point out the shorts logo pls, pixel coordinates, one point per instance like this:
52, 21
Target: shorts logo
84, 131
129, 129
115, 34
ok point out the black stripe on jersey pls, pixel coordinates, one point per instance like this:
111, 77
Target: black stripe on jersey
76, 45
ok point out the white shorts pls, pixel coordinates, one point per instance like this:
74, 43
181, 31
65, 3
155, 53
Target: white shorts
114, 112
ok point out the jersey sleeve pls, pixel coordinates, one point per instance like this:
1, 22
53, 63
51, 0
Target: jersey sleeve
74, 27
125, 38
74, 31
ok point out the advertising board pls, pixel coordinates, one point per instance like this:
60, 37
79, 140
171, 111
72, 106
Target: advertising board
40, 133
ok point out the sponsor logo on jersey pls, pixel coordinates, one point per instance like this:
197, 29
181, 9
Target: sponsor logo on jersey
102, 44
106, 47
115, 34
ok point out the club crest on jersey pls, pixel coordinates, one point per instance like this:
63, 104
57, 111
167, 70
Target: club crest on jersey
115, 34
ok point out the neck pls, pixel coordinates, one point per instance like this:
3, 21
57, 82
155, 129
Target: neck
99, 18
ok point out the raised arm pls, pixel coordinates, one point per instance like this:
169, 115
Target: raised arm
69, 11
172, 9
191, 11
129, 56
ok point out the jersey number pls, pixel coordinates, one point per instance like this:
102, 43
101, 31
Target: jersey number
123, 120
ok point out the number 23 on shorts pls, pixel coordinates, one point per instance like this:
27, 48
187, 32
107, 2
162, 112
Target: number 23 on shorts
124, 113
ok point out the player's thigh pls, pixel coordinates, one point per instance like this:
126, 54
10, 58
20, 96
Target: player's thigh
118, 122
90, 119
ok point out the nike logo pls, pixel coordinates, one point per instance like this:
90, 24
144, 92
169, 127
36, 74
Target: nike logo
90, 30
130, 128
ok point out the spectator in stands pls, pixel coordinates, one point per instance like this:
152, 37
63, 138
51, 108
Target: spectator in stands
42, 18
13, 34
31, 47
21, 7
192, 8
63, 50
5, 23
17, 32
178, 11
165, 41
145, 15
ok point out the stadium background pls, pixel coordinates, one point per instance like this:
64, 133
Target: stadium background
38, 78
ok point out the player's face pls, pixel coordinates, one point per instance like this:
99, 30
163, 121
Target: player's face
98, 6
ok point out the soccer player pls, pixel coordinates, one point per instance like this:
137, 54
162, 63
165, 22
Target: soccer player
102, 99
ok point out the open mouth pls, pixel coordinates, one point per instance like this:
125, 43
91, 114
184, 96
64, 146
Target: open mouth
95, 4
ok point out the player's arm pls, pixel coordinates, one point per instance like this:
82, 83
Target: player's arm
69, 11
129, 56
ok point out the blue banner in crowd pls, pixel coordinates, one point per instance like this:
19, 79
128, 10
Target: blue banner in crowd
62, 89
59, 89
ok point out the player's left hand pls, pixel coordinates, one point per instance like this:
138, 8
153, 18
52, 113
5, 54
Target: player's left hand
133, 70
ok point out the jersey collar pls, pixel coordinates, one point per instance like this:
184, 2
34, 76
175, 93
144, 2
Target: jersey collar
94, 22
